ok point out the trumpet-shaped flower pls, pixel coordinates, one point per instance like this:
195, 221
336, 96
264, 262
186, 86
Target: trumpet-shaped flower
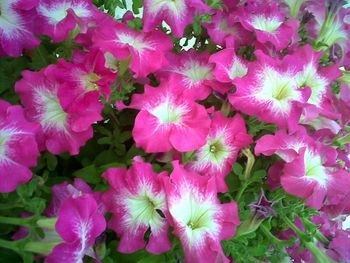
199, 220
78, 223
269, 91
168, 120
194, 74
57, 18
16, 26
18, 147
137, 202
225, 139
228, 66
177, 14
145, 50
40, 94
268, 23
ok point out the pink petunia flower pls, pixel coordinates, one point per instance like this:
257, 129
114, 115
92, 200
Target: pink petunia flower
79, 223
44, 103
177, 14
16, 26
225, 139
57, 18
18, 147
146, 50
194, 74
137, 202
268, 23
228, 66
60, 192
168, 120
270, 91
199, 220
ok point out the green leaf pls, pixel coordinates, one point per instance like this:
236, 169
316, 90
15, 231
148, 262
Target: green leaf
89, 174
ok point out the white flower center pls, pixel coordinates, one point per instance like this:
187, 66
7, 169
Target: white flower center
167, 112
277, 89
176, 7
51, 113
238, 69
267, 24
309, 78
196, 216
314, 169
213, 153
142, 208
137, 42
10, 21
58, 12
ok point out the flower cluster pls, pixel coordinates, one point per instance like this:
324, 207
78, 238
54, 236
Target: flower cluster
265, 86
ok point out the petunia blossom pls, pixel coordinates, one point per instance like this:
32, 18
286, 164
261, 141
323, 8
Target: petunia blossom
137, 202
268, 23
194, 74
40, 95
225, 139
228, 66
78, 223
199, 220
145, 50
270, 91
57, 18
177, 14
307, 177
16, 26
168, 120
18, 147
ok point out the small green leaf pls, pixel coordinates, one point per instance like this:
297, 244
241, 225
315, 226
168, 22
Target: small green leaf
89, 174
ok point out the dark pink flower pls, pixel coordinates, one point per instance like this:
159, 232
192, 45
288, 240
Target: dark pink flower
270, 91
137, 202
168, 120
44, 103
79, 223
177, 14
145, 50
57, 18
199, 220
16, 26
225, 139
18, 147
268, 23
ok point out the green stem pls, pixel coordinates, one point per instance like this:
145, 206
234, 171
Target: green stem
267, 232
320, 237
10, 206
300, 233
40, 247
318, 254
241, 191
9, 245
16, 221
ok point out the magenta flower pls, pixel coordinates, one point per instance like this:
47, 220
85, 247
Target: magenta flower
137, 202
199, 220
44, 103
270, 91
57, 18
307, 177
228, 66
60, 192
168, 120
79, 223
193, 72
146, 50
225, 139
317, 79
177, 14
16, 26
268, 23
18, 147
